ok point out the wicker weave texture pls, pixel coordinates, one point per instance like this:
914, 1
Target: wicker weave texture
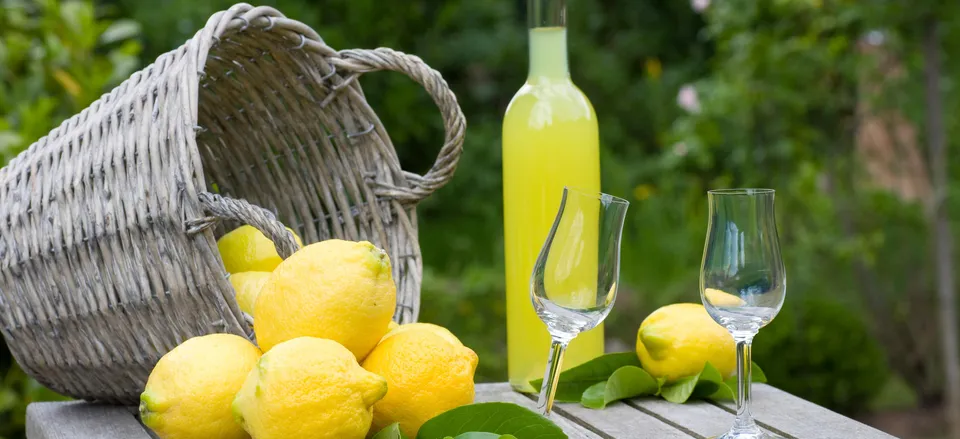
108, 225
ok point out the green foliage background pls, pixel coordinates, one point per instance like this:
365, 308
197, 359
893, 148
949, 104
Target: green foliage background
777, 82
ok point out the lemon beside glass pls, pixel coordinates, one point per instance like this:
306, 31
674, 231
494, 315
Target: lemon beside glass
676, 341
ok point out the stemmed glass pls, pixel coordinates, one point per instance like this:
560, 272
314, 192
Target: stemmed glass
574, 281
742, 281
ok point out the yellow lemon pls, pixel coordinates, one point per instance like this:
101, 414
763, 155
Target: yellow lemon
428, 372
308, 388
676, 340
392, 325
721, 298
340, 290
247, 285
248, 249
189, 391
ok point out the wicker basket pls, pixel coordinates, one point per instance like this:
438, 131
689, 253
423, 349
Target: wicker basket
108, 225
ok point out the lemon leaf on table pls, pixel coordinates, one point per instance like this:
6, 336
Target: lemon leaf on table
391, 431
704, 384
709, 383
679, 391
572, 383
731, 384
625, 382
502, 418
725, 391
660, 382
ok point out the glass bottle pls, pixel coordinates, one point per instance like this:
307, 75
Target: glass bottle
550, 140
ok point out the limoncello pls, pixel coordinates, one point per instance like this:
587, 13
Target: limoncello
550, 140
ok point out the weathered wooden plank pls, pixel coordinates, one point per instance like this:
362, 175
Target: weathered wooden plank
796, 417
81, 420
699, 418
639, 418
502, 392
619, 420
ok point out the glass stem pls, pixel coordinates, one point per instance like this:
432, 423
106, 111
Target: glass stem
549, 388
744, 420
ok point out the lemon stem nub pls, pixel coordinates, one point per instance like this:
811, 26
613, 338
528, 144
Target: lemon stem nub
655, 343
144, 411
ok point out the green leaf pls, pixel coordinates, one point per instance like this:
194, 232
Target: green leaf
679, 391
758, 375
491, 417
391, 431
594, 396
731, 383
574, 382
725, 391
711, 374
660, 383
625, 382
706, 384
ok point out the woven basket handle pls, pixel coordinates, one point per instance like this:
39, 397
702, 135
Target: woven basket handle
222, 208
455, 124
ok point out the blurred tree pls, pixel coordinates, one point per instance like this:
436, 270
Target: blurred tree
779, 93
791, 93
802, 353
776, 90
943, 238
55, 59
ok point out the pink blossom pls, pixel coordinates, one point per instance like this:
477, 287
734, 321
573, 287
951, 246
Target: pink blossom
699, 5
688, 100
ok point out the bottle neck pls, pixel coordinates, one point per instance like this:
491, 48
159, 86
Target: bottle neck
548, 39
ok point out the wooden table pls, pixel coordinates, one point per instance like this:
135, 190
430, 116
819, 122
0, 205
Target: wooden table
642, 418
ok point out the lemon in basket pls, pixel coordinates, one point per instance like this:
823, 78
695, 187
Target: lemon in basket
189, 392
248, 249
677, 340
339, 290
247, 285
308, 388
428, 372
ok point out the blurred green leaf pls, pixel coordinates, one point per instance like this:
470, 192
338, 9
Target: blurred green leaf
120, 30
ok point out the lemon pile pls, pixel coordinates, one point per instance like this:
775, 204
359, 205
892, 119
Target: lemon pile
329, 360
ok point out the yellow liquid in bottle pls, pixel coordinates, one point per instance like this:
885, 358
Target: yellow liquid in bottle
550, 140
